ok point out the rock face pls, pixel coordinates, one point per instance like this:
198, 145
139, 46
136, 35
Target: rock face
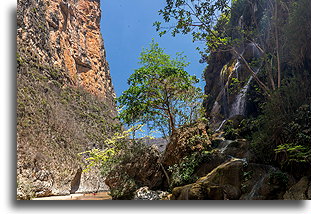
226, 172
224, 182
66, 34
224, 177
228, 81
65, 99
300, 190
138, 168
186, 140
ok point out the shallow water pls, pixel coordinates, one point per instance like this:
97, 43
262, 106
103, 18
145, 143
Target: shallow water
88, 196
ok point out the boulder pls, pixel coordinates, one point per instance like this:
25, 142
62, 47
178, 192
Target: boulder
238, 148
185, 141
224, 182
144, 193
263, 182
298, 191
214, 160
140, 168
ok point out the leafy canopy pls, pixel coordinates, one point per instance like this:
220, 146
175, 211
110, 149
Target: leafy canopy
161, 93
196, 17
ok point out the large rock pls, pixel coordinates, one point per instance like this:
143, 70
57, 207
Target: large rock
144, 193
299, 191
185, 141
263, 182
224, 182
138, 169
239, 148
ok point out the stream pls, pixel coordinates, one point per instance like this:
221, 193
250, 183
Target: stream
71, 197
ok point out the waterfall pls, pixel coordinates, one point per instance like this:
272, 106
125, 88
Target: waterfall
238, 103
256, 188
255, 192
224, 145
220, 126
236, 68
238, 107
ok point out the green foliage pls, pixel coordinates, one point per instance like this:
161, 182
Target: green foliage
240, 128
230, 131
113, 146
185, 172
196, 17
279, 177
182, 173
217, 23
235, 86
161, 93
284, 133
119, 158
294, 153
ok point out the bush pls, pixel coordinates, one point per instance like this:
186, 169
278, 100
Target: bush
185, 172
284, 133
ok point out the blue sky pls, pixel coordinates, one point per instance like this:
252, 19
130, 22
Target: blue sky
126, 26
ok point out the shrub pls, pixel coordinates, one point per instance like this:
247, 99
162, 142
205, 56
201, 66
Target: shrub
284, 131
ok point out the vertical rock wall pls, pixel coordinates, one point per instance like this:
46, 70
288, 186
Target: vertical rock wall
66, 34
65, 98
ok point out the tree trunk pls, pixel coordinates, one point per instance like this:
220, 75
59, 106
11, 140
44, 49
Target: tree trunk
260, 83
171, 120
277, 44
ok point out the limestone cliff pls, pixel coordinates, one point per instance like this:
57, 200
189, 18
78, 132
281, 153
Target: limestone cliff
66, 34
65, 98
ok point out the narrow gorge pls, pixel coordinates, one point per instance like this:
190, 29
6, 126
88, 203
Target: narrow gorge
246, 137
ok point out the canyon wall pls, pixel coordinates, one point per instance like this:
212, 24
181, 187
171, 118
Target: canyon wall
66, 34
65, 97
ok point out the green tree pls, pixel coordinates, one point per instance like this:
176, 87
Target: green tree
217, 24
161, 93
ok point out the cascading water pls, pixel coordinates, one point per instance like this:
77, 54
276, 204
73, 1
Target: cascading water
224, 145
236, 68
222, 110
220, 126
254, 193
238, 107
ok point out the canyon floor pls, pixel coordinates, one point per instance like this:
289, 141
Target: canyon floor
89, 196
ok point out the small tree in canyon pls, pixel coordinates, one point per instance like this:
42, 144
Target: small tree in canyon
161, 93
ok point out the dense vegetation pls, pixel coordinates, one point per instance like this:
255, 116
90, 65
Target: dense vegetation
281, 31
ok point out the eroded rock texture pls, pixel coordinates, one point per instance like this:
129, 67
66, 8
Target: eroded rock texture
65, 98
66, 34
